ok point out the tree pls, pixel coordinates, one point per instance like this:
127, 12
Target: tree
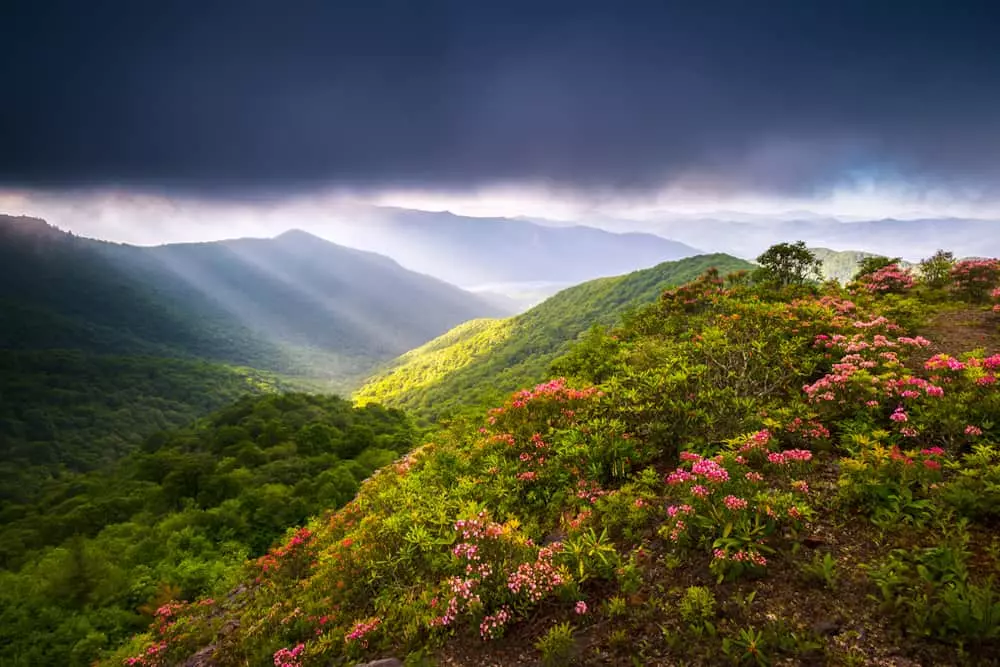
786, 264
935, 271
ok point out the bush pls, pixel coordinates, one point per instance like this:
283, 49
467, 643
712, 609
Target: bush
935, 271
974, 279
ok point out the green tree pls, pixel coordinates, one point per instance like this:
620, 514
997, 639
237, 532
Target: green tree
935, 271
787, 264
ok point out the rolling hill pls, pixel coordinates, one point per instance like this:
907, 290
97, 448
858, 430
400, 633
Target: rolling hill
483, 359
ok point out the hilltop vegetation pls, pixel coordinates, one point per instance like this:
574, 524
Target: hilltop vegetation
842, 265
768, 476
91, 561
481, 361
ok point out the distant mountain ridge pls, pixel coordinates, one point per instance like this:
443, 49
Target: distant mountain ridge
471, 251
749, 236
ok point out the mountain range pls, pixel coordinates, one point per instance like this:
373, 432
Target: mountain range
749, 236
296, 304
477, 252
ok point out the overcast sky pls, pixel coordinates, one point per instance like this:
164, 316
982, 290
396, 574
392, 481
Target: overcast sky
538, 106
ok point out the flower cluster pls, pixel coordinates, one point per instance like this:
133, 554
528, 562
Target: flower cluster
889, 279
975, 279
361, 629
538, 579
492, 625
733, 502
288, 657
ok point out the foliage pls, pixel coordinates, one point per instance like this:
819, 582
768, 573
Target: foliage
556, 646
935, 271
713, 434
974, 279
177, 518
788, 264
66, 412
478, 362
873, 264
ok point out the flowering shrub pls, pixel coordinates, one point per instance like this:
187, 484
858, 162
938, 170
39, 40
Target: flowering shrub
498, 575
891, 279
734, 503
889, 484
974, 279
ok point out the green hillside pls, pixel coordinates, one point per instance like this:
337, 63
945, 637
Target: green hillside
738, 474
480, 361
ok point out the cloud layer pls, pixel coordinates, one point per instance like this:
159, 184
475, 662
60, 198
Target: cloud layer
786, 98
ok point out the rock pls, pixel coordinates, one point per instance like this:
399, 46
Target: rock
384, 662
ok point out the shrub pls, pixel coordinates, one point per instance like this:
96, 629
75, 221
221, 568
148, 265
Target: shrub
974, 279
556, 645
935, 271
697, 607
890, 279
732, 504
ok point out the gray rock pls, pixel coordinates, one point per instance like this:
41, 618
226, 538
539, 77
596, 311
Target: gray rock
384, 662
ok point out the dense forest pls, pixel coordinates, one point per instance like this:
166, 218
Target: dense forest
753, 469
479, 362
91, 560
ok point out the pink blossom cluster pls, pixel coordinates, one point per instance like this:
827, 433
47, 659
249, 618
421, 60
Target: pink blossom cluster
811, 429
789, 456
759, 440
589, 490
150, 657
735, 503
492, 625
285, 657
888, 279
361, 630
538, 579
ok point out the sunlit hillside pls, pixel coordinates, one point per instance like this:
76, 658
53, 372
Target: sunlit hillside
481, 361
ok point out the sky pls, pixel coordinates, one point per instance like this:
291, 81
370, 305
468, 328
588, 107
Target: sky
569, 110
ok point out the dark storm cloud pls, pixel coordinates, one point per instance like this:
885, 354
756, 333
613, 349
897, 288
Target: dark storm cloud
767, 96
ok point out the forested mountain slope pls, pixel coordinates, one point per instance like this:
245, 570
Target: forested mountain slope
481, 361
94, 557
295, 304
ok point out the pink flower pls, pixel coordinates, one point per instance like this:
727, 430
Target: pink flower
734, 503
973, 430
581, 607
754, 477
932, 464
699, 490
899, 415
